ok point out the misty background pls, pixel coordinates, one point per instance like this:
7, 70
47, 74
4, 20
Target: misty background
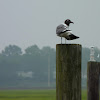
35, 67
28, 38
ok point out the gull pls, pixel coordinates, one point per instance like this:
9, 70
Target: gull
62, 30
98, 56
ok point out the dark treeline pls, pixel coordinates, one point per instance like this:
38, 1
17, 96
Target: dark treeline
30, 69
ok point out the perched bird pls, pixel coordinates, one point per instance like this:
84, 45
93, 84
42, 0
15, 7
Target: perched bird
62, 30
98, 56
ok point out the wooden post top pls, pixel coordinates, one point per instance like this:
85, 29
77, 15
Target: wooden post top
92, 62
68, 44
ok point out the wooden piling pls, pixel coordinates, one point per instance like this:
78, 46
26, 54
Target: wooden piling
68, 72
93, 80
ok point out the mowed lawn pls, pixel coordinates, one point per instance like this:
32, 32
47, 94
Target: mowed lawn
31, 95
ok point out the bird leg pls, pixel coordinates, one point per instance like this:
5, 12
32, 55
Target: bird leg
61, 40
65, 40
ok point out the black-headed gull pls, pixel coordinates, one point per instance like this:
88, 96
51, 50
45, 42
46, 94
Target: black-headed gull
62, 30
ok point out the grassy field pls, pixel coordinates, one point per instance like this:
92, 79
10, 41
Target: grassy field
31, 95
84, 95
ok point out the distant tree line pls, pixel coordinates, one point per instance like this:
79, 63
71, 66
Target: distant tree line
14, 64
18, 69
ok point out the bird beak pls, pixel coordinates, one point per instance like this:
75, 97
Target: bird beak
72, 22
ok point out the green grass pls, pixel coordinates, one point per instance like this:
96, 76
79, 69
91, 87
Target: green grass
31, 95
27, 95
84, 95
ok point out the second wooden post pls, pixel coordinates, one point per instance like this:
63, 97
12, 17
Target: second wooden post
93, 80
68, 72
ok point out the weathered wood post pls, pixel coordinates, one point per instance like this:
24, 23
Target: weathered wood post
68, 72
93, 80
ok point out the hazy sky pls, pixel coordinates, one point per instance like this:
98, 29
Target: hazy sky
28, 22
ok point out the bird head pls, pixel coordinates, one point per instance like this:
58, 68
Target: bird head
68, 21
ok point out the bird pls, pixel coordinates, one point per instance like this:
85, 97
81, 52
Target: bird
62, 30
98, 56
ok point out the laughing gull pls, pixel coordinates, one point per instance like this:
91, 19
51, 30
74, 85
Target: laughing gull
62, 30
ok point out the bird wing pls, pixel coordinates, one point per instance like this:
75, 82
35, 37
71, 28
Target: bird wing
61, 28
71, 37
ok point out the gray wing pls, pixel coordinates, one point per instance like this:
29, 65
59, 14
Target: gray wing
60, 29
